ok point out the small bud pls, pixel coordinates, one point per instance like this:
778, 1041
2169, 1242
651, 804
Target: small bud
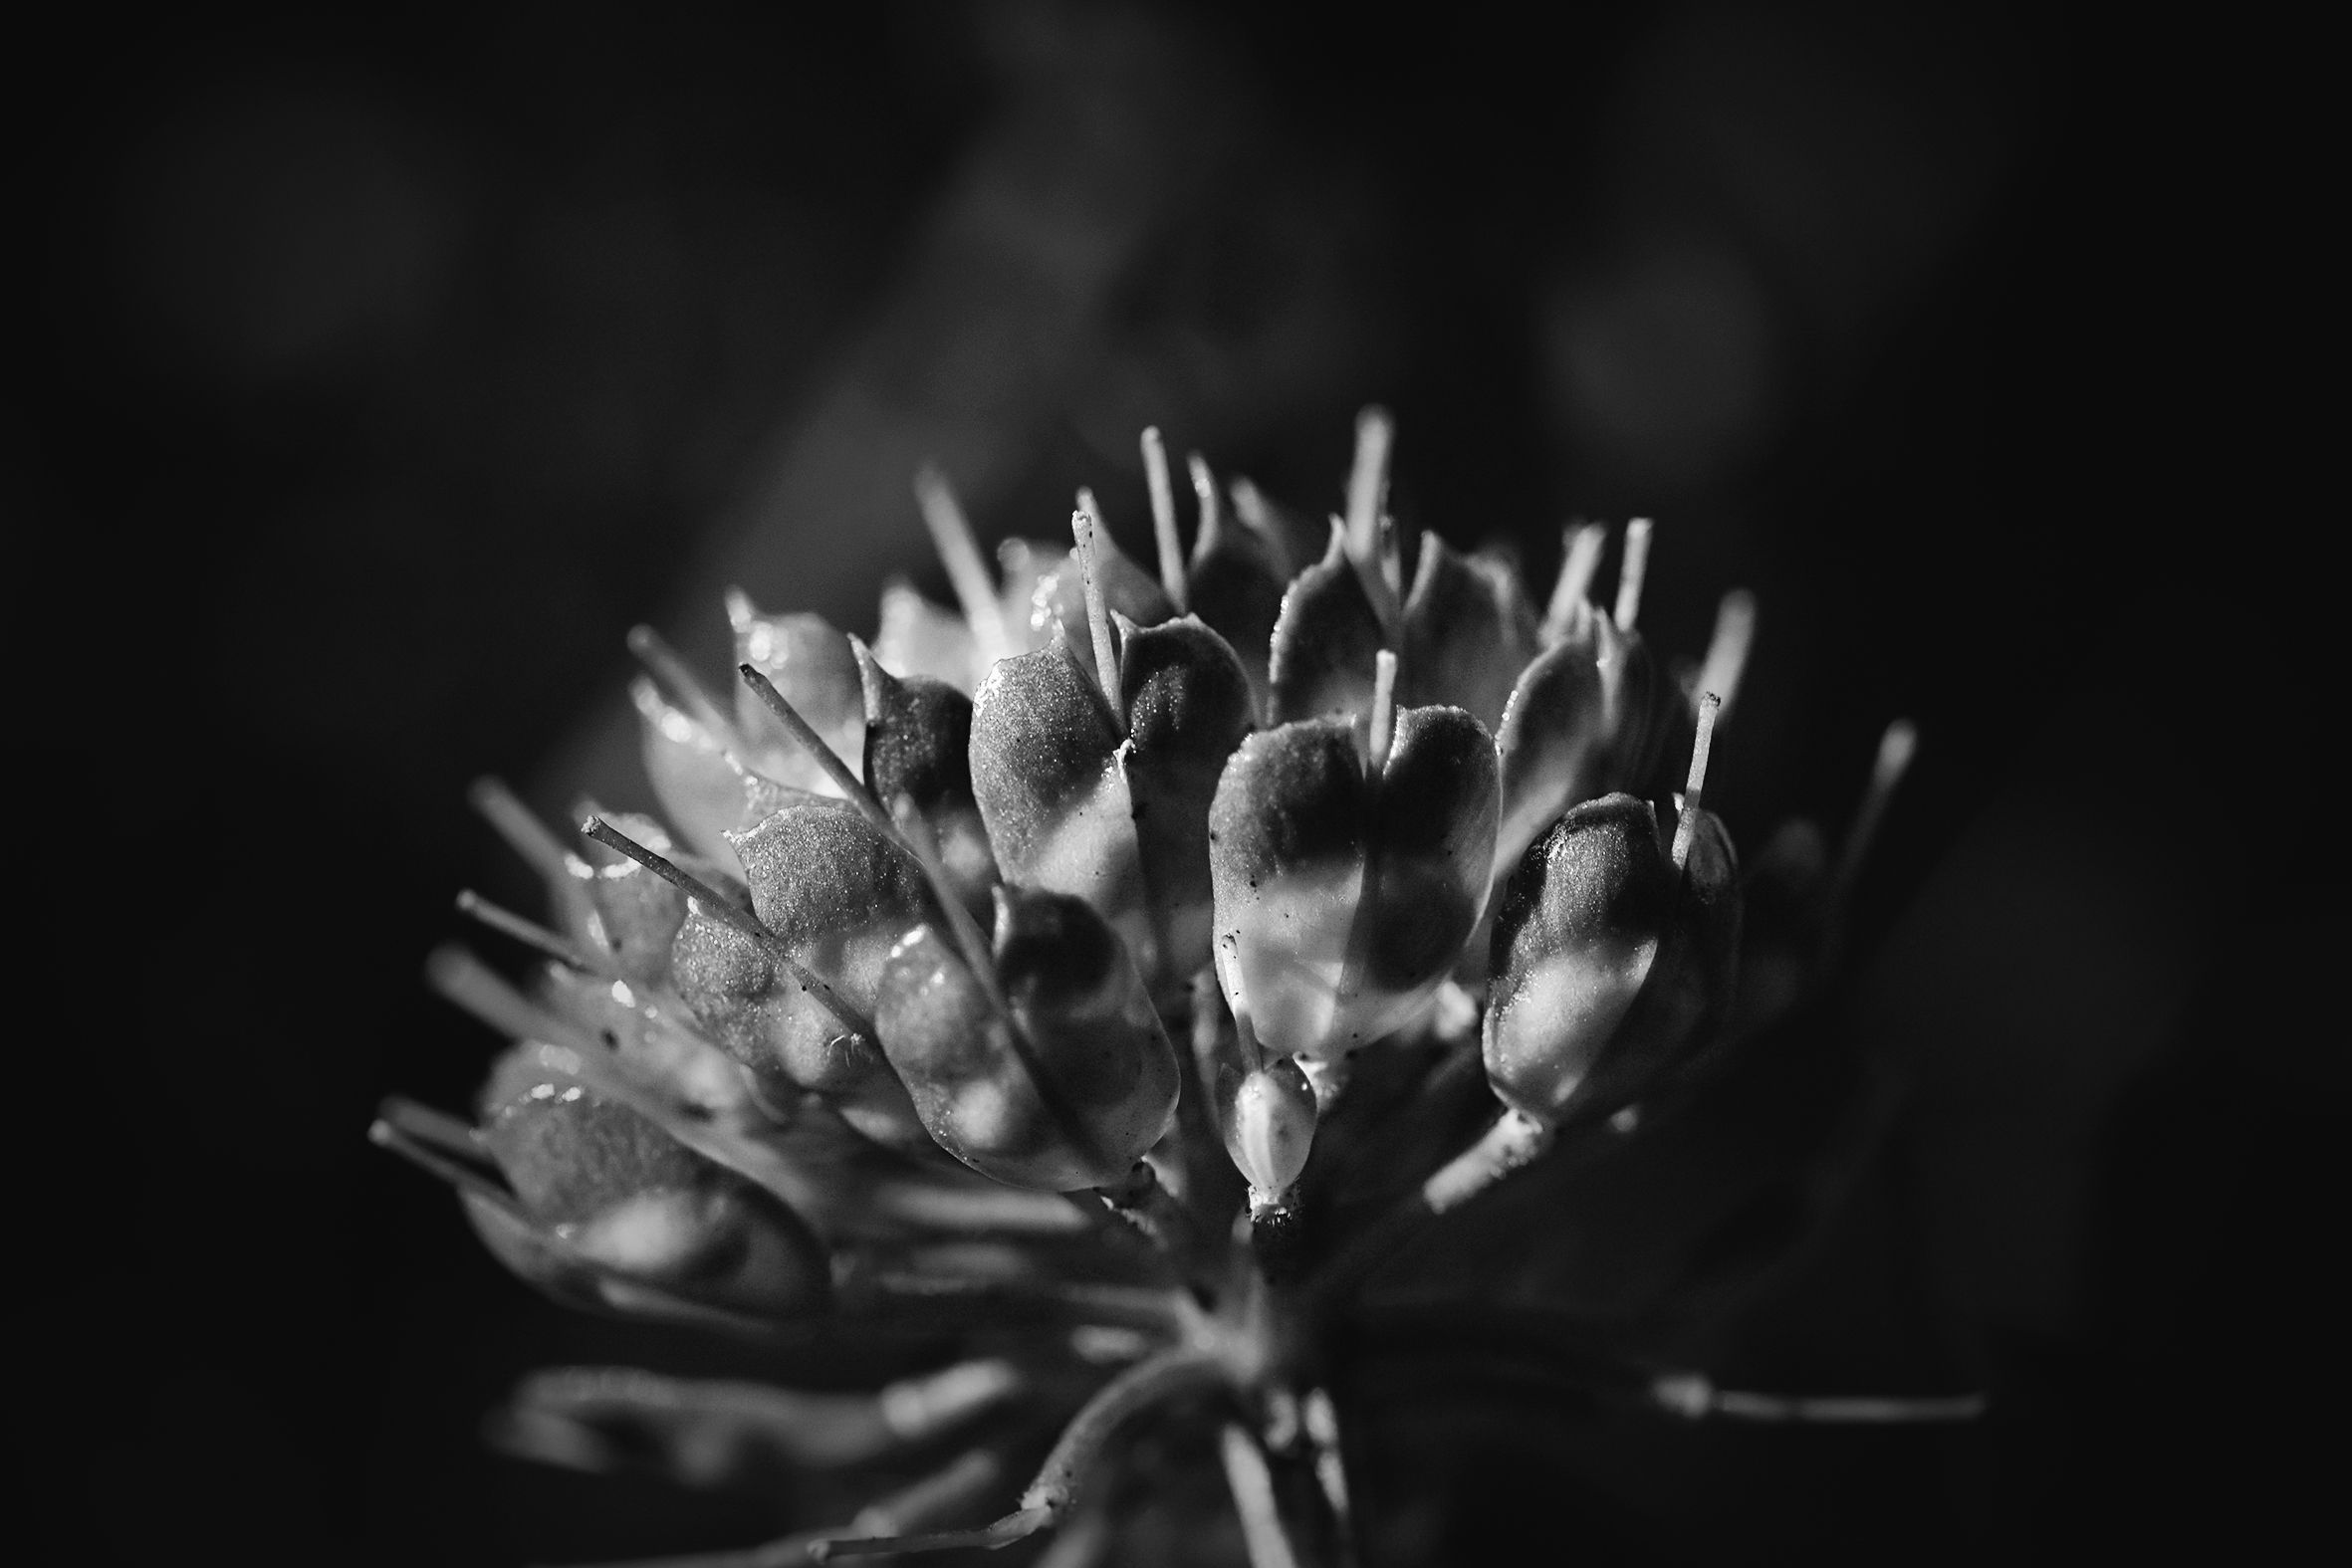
1268, 1117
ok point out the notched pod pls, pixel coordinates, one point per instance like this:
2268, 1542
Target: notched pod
1113, 807
1050, 1071
1326, 642
1468, 632
918, 743
612, 1195
1590, 716
1058, 608
813, 665
1610, 967
1347, 880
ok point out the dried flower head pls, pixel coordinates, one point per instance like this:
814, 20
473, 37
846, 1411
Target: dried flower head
1085, 976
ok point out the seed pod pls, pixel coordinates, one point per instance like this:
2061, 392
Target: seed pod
1074, 805
1325, 643
812, 666
1587, 718
1051, 1072
918, 743
611, 1189
635, 914
828, 885
1347, 883
1609, 968
1468, 632
1235, 583
1057, 607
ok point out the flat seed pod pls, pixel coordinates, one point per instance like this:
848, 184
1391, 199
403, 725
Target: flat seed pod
811, 664
1606, 963
638, 914
1468, 632
1057, 605
829, 886
918, 743
615, 1190
1342, 899
1188, 705
1581, 723
1326, 643
1235, 585
1063, 1086
1046, 775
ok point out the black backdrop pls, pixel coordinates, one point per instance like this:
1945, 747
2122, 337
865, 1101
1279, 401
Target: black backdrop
386, 369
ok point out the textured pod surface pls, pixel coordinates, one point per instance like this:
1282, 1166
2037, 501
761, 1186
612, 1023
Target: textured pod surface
1067, 1084
838, 896
1052, 789
918, 743
615, 1190
1188, 707
1344, 899
1606, 963
1326, 643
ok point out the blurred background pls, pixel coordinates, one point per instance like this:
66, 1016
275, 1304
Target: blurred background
389, 365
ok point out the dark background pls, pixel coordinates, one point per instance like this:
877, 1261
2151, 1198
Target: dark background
388, 368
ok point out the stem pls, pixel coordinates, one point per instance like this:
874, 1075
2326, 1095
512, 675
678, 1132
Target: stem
1252, 1485
1630, 571
1321, 1418
1686, 827
1367, 482
1894, 750
1173, 1371
1585, 542
1726, 649
1163, 517
530, 933
959, 551
525, 834
1692, 1396
1083, 524
709, 900
669, 667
